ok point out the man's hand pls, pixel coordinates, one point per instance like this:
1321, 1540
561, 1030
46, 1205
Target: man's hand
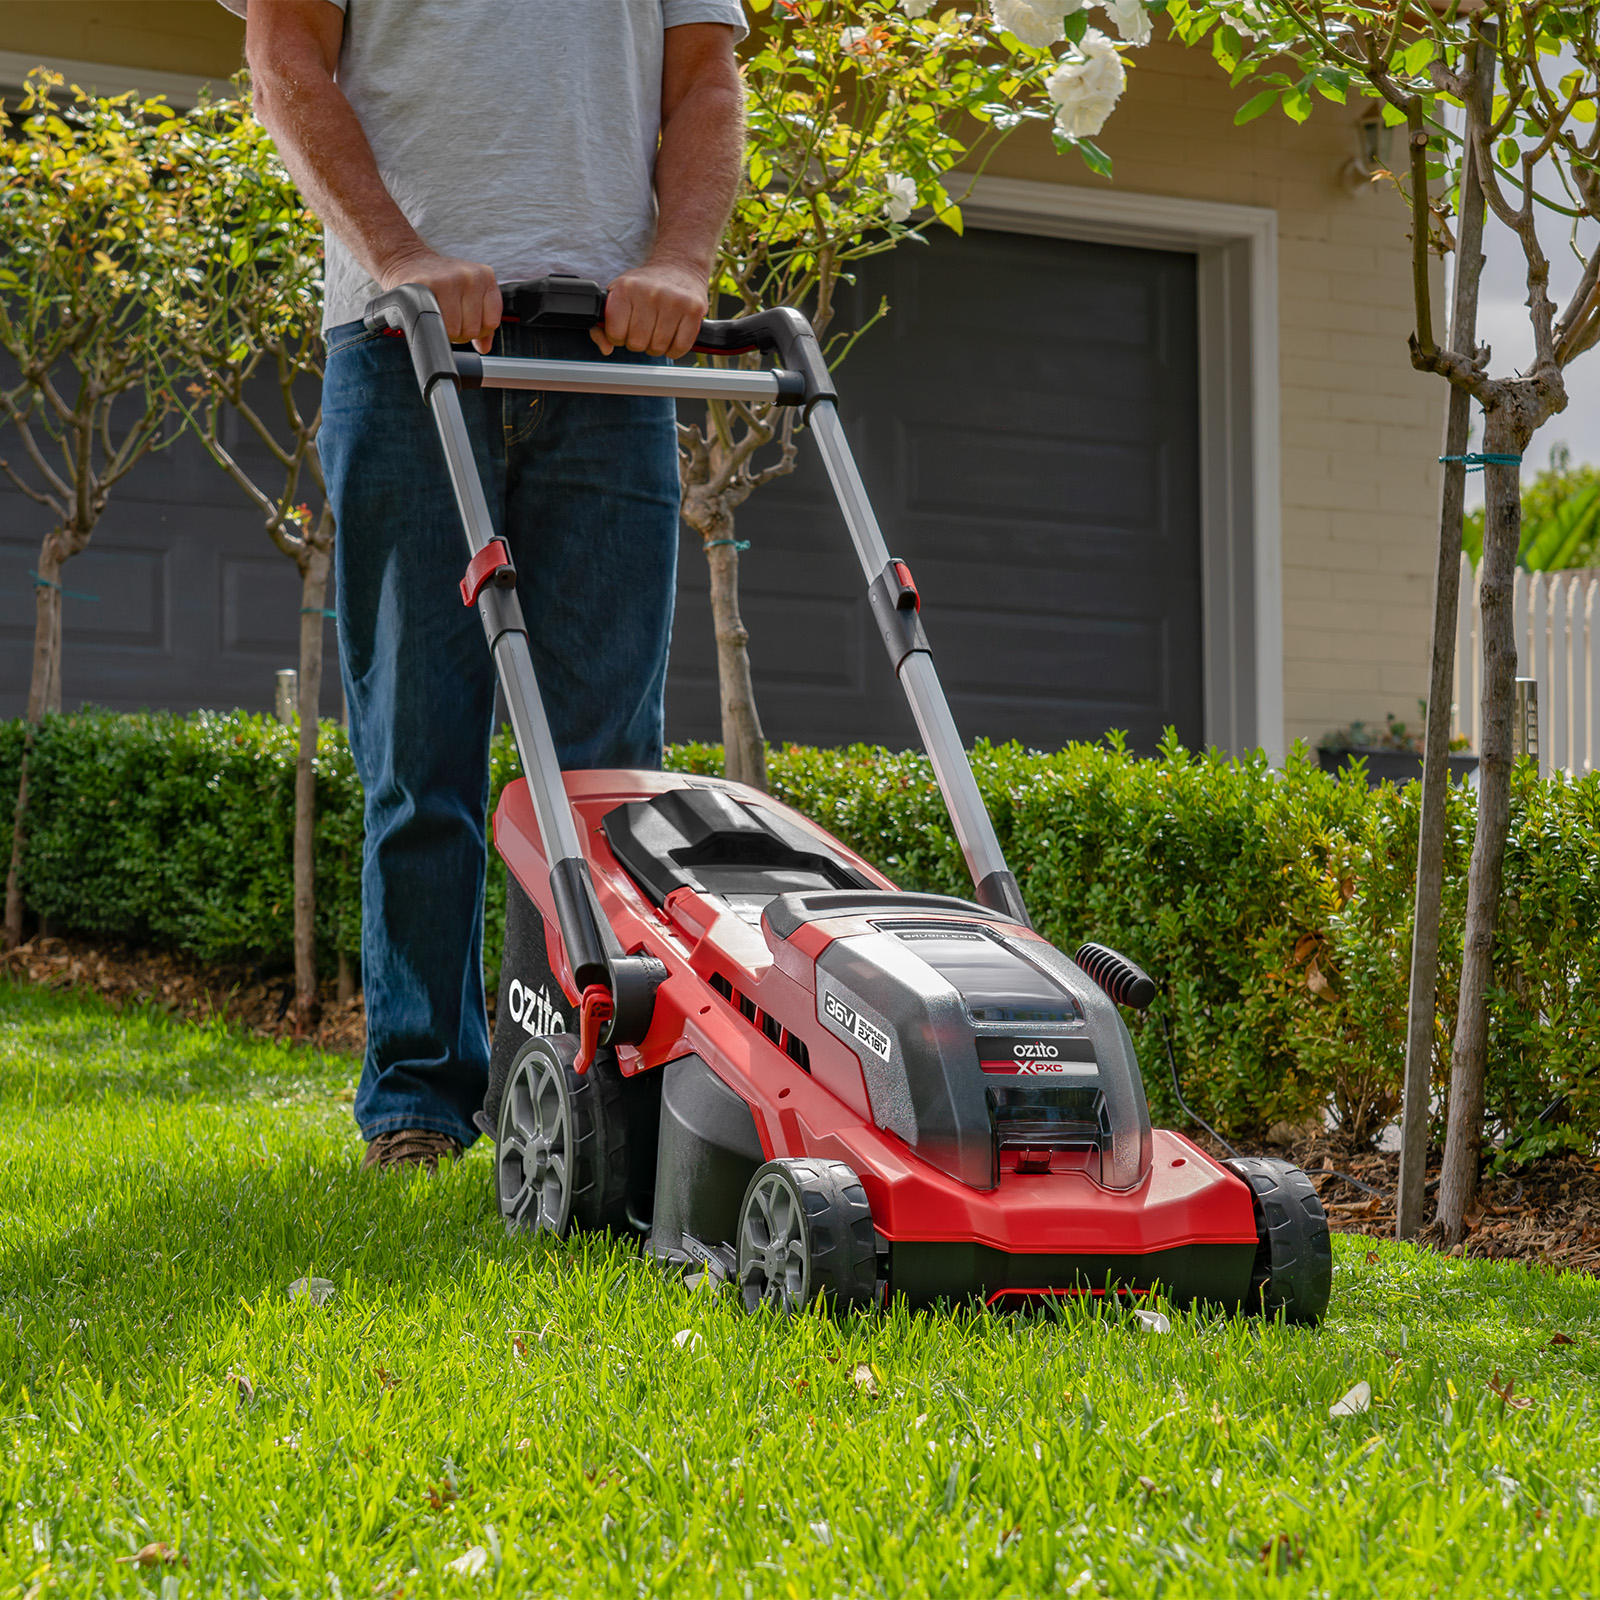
654, 310
468, 296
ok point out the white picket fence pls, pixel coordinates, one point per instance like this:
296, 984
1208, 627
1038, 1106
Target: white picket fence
1557, 617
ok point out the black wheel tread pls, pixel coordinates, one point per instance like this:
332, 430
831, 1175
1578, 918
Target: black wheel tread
600, 1140
843, 1244
1293, 1272
598, 1159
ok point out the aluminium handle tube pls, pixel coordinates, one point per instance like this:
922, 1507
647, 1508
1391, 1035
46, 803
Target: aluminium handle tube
593, 951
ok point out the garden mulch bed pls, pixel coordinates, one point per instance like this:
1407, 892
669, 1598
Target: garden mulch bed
261, 1003
1547, 1213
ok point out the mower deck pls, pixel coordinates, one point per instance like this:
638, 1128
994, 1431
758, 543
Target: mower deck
740, 1001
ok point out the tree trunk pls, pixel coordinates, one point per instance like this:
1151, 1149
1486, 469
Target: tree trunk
744, 746
1423, 1002
313, 597
45, 676
52, 692
19, 817
1502, 531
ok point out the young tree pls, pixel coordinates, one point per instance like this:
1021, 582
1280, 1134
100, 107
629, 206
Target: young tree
863, 113
248, 327
1497, 100
91, 220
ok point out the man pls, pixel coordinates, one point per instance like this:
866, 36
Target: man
461, 144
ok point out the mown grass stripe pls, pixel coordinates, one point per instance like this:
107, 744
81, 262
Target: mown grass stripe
161, 1185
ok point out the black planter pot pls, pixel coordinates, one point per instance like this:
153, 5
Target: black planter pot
1392, 766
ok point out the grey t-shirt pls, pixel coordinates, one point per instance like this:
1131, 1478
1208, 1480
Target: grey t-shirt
517, 132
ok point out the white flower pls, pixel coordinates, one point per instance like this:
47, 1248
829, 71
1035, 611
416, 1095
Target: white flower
1086, 89
1035, 22
1131, 19
902, 197
916, 8
1250, 20
470, 1562
852, 38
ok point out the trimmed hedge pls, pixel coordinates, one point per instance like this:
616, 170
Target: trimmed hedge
1272, 905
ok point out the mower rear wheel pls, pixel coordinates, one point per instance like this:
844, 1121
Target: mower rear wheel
805, 1237
1293, 1272
561, 1144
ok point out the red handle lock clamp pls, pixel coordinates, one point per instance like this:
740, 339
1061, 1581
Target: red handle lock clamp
492, 564
595, 1010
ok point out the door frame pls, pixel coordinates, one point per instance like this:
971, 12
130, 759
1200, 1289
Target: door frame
1236, 256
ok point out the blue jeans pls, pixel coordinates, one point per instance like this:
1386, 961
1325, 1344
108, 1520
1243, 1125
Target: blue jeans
584, 489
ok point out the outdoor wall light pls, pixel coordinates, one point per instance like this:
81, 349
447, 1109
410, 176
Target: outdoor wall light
1373, 143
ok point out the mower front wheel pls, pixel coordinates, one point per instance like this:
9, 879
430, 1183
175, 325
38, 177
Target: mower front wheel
806, 1236
561, 1142
1293, 1273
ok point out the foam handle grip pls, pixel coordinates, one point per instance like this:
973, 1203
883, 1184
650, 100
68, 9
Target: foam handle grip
1117, 975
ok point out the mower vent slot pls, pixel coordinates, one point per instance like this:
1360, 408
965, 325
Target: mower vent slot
773, 1030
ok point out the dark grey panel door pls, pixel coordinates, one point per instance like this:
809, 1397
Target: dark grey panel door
181, 602
1026, 420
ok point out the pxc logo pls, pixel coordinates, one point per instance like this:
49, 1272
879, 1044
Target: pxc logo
853, 1023
1029, 1057
534, 1009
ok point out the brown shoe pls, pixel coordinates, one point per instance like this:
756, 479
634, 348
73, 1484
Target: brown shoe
409, 1147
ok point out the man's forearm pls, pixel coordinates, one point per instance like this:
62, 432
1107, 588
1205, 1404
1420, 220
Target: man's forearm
698, 167
325, 149
293, 49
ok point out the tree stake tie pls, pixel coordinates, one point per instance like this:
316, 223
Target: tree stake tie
738, 544
50, 583
1476, 463
317, 611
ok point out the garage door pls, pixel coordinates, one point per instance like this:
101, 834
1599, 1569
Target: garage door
1026, 420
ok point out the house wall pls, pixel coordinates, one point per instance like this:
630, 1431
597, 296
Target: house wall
1360, 430
195, 37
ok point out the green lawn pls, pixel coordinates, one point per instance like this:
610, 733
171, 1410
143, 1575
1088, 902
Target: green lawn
526, 1411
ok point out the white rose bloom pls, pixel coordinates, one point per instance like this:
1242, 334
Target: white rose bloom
1035, 22
1086, 89
902, 197
1251, 19
851, 38
916, 8
1131, 19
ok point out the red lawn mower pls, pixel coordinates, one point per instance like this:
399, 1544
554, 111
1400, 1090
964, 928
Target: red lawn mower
720, 1028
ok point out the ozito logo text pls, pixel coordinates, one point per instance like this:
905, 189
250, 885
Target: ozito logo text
534, 1009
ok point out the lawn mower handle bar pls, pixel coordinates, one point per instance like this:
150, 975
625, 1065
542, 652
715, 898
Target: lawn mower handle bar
594, 954
800, 379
